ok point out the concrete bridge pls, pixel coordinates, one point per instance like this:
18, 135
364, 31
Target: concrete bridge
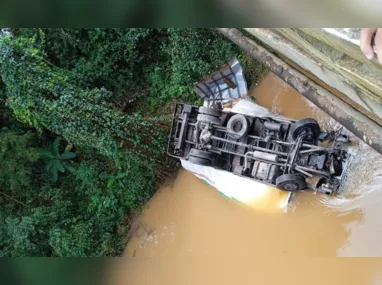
327, 67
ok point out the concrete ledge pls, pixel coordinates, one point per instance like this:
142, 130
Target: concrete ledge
335, 60
359, 124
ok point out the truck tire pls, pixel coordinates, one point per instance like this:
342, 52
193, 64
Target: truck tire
291, 182
237, 126
309, 126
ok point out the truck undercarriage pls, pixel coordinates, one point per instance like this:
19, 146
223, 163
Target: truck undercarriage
290, 155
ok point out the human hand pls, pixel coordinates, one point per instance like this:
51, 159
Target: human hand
366, 42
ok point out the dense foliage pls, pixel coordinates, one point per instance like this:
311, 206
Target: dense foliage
91, 106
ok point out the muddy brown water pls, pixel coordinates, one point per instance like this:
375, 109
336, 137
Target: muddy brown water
189, 218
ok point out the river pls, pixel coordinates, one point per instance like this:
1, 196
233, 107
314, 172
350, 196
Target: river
188, 218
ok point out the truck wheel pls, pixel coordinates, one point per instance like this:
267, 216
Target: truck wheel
208, 119
308, 126
237, 126
210, 111
201, 157
291, 182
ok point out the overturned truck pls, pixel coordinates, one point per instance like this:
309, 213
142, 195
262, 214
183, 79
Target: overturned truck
290, 155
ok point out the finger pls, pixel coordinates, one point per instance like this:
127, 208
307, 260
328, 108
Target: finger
378, 45
366, 37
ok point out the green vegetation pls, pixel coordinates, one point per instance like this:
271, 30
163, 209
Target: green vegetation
83, 128
56, 161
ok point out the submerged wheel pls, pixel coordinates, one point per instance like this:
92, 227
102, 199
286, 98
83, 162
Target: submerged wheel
208, 119
210, 111
237, 126
201, 157
307, 126
291, 182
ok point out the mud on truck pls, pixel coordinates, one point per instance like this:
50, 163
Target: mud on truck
287, 154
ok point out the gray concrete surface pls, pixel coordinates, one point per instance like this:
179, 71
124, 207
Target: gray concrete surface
332, 56
359, 124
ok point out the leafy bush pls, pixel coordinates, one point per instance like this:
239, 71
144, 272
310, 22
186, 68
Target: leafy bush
102, 91
46, 97
83, 215
17, 157
56, 161
192, 54
145, 64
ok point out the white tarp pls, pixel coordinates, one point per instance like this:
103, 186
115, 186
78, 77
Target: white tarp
255, 194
